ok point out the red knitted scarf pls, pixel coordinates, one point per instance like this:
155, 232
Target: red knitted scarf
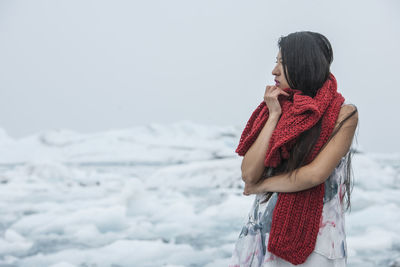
296, 216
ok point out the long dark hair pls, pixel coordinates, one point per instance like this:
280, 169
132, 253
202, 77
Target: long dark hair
306, 60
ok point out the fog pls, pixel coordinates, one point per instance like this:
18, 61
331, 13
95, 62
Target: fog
92, 66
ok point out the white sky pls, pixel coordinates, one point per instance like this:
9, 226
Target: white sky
98, 65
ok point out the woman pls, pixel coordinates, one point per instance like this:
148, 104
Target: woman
303, 126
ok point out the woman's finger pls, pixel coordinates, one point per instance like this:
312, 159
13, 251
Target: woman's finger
270, 88
284, 92
278, 92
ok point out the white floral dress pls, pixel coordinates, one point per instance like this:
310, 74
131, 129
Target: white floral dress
330, 249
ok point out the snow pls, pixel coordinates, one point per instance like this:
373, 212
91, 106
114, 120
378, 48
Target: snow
158, 195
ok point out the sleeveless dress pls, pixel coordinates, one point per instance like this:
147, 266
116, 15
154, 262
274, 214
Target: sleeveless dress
330, 249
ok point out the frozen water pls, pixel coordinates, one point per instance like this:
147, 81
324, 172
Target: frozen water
158, 195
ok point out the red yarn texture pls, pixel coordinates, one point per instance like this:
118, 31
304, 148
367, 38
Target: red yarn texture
296, 216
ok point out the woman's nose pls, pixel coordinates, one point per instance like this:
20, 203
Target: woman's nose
275, 71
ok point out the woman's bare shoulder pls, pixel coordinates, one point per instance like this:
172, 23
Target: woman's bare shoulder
337, 147
345, 111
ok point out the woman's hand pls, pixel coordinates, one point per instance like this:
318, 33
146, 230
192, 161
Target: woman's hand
271, 99
252, 188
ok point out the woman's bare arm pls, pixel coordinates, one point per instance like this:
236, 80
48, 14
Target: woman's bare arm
317, 171
253, 161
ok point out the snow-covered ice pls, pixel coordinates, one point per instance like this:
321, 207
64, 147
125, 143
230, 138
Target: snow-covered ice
158, 195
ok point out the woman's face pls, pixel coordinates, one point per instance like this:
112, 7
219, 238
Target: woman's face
280, 79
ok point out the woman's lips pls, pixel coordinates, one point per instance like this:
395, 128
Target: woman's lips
276, 83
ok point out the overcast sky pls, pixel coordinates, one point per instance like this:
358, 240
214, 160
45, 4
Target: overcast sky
99, 65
